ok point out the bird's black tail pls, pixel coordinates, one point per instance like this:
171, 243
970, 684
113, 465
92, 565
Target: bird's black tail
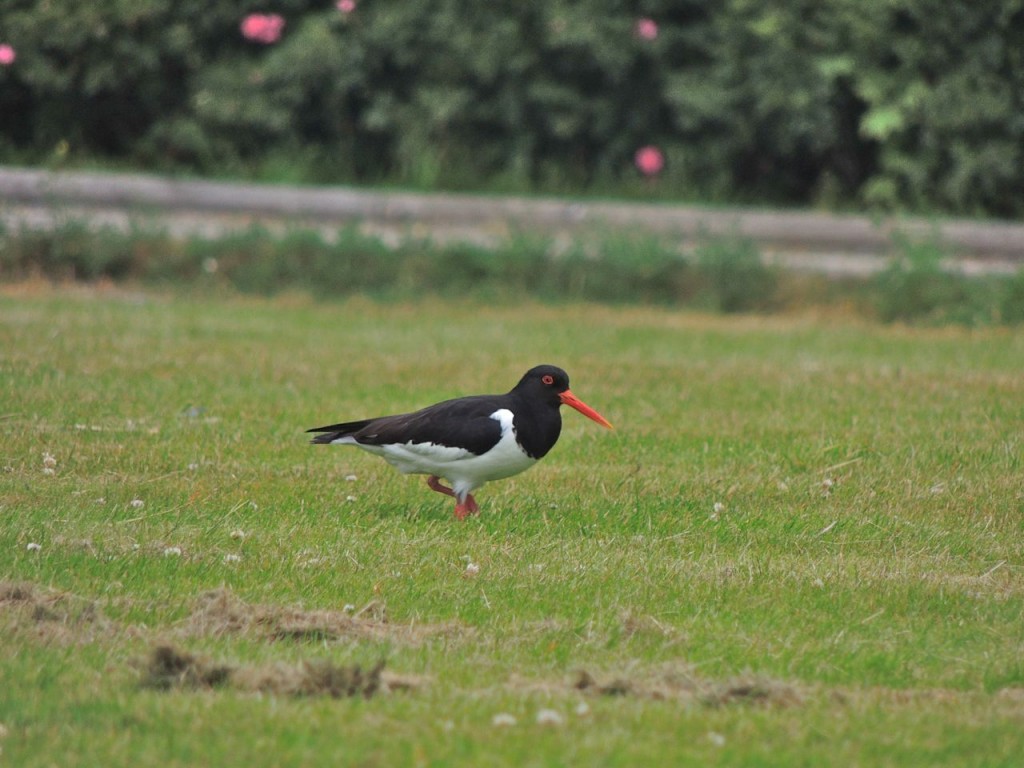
334, 432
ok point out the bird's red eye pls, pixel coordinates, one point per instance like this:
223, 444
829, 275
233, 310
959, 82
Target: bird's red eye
548, 379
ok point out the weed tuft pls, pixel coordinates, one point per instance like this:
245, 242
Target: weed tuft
917, 287
733, 276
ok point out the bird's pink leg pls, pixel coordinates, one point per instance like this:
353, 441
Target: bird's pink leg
435, 485
464, 508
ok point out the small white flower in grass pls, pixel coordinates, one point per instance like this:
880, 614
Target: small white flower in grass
549, 717
503, 720
718, 508
347, 608
472, 569
350, 499
33, 546
232, 558
137, 503
826, 486
583, 709
716, 738
351, 478
238, 533
172, 551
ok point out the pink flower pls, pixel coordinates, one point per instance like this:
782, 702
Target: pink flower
645, 29
7, 55
649, 160
346, 6
262, 27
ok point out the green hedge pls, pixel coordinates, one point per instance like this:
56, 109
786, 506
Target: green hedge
895, 104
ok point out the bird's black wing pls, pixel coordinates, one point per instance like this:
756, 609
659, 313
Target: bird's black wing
461, 423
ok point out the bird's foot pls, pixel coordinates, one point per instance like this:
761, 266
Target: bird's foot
464, 509
435, 485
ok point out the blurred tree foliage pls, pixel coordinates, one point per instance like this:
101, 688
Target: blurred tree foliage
894, 104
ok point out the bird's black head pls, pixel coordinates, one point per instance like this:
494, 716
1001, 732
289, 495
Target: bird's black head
544, 383
535, 403
549, 384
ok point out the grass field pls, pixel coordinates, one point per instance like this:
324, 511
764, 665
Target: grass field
802, 545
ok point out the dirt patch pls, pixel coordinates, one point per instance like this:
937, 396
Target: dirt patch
220, 612
50, 616
168, 668
674, 684
756, 691
317, 678
17, 592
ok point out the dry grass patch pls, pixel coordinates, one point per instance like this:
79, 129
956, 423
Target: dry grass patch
670, 683
62, 617
221, 612
168, 668
679, 684
49, 616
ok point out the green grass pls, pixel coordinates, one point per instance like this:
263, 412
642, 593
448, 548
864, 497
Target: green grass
864, 565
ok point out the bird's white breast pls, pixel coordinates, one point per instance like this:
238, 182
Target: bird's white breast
462, 468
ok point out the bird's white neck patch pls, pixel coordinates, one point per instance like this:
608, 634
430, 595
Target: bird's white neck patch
504, 417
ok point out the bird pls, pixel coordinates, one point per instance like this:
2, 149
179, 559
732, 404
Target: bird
469, 441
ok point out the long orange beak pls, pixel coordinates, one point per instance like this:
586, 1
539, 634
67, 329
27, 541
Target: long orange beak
568, 398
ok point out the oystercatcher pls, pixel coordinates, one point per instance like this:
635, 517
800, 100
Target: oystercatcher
469, 440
